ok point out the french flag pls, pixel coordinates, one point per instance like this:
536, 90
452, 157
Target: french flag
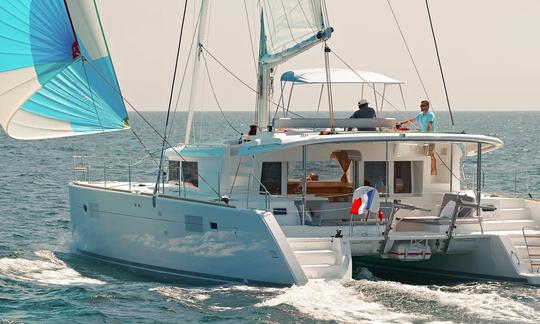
363, 199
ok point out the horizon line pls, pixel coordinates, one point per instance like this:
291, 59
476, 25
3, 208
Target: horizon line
386, 111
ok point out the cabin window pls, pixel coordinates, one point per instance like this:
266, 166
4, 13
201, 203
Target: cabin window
402, 177
271, 177
190, 173
174, 170
375, 175
329, 178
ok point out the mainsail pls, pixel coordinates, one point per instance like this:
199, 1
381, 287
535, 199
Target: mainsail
289, 23
288, 28
56, 74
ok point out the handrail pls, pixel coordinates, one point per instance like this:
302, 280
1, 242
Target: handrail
267, 193
514, 254
113, 171
460, 204
388, 227
523, 229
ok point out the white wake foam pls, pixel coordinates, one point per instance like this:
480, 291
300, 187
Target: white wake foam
46, 269
192, 297
486, 304
189, 297
332, 301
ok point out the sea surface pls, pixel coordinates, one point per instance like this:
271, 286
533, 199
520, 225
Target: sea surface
42, 280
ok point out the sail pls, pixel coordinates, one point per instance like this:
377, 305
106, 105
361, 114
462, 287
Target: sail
288, 28
56, 75
288, 23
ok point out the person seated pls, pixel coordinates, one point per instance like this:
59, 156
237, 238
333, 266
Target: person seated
364, 111
312, 177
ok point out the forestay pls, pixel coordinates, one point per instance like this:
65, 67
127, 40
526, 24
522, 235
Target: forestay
56, 74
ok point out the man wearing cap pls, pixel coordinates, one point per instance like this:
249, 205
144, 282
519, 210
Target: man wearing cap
364, 111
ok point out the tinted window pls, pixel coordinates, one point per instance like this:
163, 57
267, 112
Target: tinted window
271, 177
375, 175
174, 168
190, 173
402, 177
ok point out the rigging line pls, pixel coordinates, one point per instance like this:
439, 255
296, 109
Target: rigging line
235, 176
250, 37
238, 78
171, 97
279, 100
320, 99
440, 65
305, 16
327, 22
148, 152
227, 69
369, 85
447, 167
265, 17
287, 21
184, 73
409, 51
83, 60
215, 95
152, 127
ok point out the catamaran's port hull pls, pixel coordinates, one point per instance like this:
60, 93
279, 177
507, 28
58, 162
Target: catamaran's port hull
176, 240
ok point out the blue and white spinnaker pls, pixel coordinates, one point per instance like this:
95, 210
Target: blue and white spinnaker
56, 74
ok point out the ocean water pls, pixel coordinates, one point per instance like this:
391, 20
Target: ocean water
41, 280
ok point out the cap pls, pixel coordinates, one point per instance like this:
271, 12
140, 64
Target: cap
362, 102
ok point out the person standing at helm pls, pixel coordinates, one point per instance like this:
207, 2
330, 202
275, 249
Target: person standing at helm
426, 121
364, 111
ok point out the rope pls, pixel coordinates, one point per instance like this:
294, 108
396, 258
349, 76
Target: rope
238, 78
234, 179
147, 151
215, 96
440, 65
409, 52
369, 85
171, 97
184, 76
250, 37
153, 128
305, 16
83, 60
329, 87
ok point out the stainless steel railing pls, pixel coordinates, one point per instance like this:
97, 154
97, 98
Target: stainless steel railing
122, 172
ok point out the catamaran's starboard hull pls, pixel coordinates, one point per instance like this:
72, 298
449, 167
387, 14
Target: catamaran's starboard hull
181, 240
487, 260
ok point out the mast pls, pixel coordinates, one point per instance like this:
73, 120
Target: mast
201, 33
264, 82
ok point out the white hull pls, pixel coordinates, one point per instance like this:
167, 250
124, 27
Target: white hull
487, 260
175, 240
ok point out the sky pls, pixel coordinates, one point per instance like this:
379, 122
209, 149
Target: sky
489, 51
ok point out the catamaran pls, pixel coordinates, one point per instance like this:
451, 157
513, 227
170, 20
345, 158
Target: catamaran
294, 199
